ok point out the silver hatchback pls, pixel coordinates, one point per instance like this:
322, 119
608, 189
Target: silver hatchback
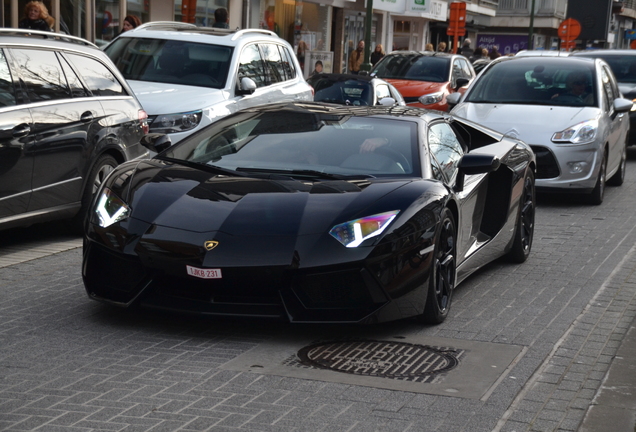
569, 110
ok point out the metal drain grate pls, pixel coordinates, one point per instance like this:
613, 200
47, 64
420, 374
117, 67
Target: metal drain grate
386, 359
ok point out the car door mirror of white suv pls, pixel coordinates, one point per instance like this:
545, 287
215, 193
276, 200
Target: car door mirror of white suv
623, 105
248, 86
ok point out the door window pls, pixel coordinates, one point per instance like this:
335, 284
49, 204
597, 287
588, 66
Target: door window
446, 149
273, 63
251, 65
382, 91
7, 92
100, 80
77, 89
42, 75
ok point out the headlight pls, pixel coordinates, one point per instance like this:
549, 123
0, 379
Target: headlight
172, 123
110, 209
354, 232
578, 134
431, 98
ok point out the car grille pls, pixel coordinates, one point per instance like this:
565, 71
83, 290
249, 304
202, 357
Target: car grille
344, 289
547, 166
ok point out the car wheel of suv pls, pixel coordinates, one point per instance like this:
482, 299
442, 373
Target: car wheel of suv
618, 178
597, 195
443, 272
104, 165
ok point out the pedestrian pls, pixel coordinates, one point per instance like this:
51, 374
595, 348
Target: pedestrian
221, 18
130, 22
466, 50
494, 53
301, 53
356, 58
36, 17
429, 47
441, 47
317, 68
377, 54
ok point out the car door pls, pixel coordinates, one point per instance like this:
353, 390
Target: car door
251, 65
16, 163
447, 149
461, 69
62, 115
615, 121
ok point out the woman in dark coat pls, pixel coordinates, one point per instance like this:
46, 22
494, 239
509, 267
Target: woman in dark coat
36, 17
377, 54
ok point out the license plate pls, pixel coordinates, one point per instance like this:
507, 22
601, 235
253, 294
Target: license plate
204, 273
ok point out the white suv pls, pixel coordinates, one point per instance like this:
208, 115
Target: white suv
187, 77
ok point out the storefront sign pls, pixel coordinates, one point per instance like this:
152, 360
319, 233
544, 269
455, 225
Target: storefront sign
630, 34
396, 6
311, 62
433, 9
506, 44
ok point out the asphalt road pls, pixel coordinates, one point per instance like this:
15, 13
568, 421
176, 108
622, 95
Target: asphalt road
533, 343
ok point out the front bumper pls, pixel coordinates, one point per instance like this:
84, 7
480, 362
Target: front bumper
567, 167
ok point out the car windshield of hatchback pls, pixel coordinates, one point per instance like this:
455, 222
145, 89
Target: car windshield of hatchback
349, 92
536, 81
173, 62
293, 143
414, 67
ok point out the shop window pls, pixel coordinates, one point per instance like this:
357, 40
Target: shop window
204, 15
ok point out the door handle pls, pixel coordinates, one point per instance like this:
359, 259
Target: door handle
21, 130
87, 117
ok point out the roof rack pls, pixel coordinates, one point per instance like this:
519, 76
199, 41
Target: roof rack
165, 24
181, 26
46, 35
240, 33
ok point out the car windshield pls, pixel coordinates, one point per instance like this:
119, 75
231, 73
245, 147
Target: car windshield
537, 81
174, 62
291, 142
414, 67
347, 92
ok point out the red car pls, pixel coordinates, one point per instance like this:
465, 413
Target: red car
425, 78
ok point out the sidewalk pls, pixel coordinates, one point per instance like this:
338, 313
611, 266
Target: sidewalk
614, 406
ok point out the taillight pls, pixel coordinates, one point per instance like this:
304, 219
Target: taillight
143, 121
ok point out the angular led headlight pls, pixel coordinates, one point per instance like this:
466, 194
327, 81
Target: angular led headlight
110, 209
172, 123
578, 134
353, 233
431, 98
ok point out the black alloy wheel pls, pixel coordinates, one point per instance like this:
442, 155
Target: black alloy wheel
598, 193
525, 222
443, 272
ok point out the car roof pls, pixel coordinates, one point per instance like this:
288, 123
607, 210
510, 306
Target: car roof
542, 53
604, 52
47, 39
425, 54
174, 30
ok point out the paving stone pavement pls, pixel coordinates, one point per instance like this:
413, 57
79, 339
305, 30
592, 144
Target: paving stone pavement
71, 364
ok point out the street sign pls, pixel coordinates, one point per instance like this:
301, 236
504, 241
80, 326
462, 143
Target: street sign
457, 21
567, 45
569, 30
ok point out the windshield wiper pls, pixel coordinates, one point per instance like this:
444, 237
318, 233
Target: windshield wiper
206, 167
302, 173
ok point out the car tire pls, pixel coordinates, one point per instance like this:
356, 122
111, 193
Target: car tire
104, 165
619, 177
443, 272
598, 193
524, 232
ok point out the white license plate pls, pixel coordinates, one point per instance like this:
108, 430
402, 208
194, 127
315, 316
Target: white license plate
204, 273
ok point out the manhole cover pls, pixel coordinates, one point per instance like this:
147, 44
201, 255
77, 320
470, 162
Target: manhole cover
379, 358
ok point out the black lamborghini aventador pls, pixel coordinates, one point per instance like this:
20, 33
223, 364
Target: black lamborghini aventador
311, 213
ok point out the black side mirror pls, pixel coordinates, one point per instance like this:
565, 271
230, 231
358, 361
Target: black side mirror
156, 142
461, 82
475, 164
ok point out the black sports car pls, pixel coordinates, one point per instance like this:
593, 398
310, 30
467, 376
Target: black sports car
347, 89
309, 212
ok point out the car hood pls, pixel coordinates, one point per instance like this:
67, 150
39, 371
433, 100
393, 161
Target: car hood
520, 121
190, 199
160, 98
409, 88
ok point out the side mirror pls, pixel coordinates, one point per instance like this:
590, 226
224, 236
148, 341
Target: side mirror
461, 82
387, 101
475, 164
453, 99
622, 105
248, 86
156, 142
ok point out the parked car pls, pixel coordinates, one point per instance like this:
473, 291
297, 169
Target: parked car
312, 212
568, 109
348, 89
425, 78
186, 76
623, 64
67, 118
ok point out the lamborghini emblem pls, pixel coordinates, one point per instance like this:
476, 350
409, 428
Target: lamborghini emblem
209, 245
